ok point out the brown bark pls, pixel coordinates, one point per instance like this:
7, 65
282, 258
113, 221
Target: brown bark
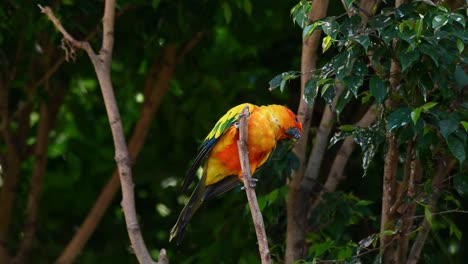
388, 199
410, 210
257, 218
296, 208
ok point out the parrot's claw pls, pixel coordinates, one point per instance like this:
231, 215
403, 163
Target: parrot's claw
253, 183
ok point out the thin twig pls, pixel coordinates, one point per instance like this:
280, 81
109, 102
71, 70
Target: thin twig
84, 45
249, 190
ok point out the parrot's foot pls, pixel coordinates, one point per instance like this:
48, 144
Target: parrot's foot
253, 183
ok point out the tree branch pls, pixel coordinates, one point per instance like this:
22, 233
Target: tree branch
321, 143
296, 208
35, 187
69, 40
155, 88
335, 175
415, 176
102, 67
249, 190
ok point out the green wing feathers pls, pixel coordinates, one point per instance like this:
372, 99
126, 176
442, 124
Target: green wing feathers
231, 117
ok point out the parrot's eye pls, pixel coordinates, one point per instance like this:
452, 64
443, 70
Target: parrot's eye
296, 120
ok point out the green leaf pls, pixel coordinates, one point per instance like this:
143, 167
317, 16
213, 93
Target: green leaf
363, 40
399, 118
328, 93
345, 253
429, 50
310, 90
364, 202
342, 64
457, 148
275, 82
407, 58
419, 28
447, 126
300, 12
460, 182
281, 79
348, 4
227, 12
465, 125
326, 43
458, 18
460, 45
377, 89
248, 7
455, 231
321, 248
428, 215
330, 27
461, 77
282, 85
439, 21
347, 128
360, 68
353, 83
425, 107
415, 114
389, 33
308, 30
426, 85
344, 99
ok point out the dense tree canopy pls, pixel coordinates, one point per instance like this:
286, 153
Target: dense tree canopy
389, 77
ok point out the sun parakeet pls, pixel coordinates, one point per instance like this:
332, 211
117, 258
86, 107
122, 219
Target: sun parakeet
220, 157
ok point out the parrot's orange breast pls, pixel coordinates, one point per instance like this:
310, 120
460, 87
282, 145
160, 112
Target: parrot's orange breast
224, 160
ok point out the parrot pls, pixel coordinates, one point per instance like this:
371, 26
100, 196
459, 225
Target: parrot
219, 155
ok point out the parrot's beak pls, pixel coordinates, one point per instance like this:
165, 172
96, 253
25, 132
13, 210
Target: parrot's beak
293, 133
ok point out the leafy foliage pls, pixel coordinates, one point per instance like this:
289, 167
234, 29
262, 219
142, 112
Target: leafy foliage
421, 102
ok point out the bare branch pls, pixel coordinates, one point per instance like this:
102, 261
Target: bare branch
108, 32
156, 85
249, 190
69, 40
102, 68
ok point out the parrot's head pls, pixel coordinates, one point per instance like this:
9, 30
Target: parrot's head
290, 126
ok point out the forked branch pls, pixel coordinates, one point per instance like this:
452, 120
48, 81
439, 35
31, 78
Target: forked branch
101, 63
